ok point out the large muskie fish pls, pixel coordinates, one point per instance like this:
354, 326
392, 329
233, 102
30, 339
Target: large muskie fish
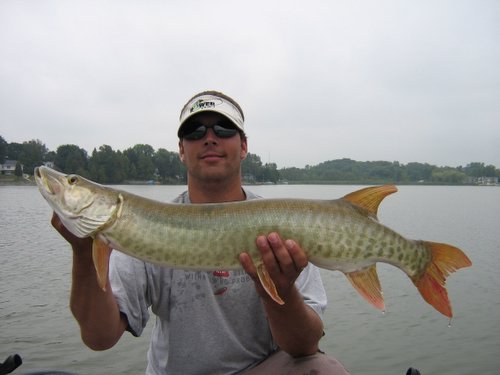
342, 234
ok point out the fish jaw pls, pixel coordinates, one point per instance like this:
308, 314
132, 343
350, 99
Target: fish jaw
49, 184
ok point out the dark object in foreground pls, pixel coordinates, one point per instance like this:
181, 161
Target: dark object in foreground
412, 371
11, 363
14, 361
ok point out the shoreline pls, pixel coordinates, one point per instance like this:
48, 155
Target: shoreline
367, 183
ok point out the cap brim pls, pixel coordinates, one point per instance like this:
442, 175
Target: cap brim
211, 103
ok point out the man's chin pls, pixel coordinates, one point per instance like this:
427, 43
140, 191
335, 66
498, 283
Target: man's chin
216, 174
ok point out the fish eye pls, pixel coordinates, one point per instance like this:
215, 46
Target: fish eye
72, 179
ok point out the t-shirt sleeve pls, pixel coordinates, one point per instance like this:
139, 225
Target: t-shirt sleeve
130, 290
311, 287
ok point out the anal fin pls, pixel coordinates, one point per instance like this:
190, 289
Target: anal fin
366, 282
268, 284
100, 255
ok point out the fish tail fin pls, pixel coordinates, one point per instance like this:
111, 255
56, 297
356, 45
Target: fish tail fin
445, 259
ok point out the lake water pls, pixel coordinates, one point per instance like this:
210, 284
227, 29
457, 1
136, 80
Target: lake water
35, 266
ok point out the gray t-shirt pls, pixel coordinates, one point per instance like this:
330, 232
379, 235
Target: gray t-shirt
207, 322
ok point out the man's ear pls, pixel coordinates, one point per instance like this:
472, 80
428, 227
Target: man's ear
244, 149
181, 151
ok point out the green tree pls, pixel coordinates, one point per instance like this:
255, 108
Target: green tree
32, 155
169, 166
14, 151
251, 167
474, 169
3, 149
419, 172
294, 173
50, 156
448, 175
71, 159
489, 171
108, 166
141, 162
380, 170
477, 169
269, 173
19, 170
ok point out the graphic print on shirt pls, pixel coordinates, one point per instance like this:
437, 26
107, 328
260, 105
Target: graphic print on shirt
190, 288
222, 280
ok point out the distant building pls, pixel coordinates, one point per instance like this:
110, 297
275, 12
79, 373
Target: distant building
9, 167
484, 181
49, 164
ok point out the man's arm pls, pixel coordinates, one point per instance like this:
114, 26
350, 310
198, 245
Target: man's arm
96, 311
296, 327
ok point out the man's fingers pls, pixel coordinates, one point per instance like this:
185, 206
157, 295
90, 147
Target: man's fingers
267, 246
297, 254
284, 257
247, 264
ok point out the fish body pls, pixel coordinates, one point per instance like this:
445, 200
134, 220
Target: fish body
342, 234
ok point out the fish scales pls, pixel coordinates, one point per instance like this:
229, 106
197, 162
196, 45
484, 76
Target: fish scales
212, 236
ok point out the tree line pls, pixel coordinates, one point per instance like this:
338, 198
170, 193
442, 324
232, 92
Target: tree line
143, 163
104, 165
378, 172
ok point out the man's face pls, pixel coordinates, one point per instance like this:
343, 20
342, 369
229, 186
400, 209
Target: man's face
212, 158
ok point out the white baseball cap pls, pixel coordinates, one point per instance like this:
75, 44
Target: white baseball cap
211, 103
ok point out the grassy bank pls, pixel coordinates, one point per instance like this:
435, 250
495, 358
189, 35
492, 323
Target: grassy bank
15, 180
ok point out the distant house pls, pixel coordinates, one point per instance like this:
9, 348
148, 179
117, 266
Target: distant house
487, 181
484, 181
9, 167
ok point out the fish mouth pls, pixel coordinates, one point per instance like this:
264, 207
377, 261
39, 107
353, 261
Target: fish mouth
46, 182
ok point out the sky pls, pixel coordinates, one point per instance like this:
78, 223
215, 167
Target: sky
393, 80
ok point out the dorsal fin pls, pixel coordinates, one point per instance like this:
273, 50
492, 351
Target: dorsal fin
369, 198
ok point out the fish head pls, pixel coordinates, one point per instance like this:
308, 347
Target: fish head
83, 206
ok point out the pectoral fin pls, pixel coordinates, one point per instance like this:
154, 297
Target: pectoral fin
100, 255
268, 284
366, 282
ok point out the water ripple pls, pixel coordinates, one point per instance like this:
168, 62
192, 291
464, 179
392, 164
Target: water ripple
35, 280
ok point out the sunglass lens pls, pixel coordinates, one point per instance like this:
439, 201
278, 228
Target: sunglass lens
195, 131
224, 132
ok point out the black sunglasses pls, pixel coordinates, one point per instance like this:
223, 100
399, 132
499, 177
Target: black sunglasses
196, 130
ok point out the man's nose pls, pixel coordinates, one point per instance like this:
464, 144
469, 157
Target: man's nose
210, 137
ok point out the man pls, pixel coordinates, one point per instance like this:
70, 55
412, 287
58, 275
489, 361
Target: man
217, 322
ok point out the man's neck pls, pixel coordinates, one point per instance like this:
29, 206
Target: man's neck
215, 192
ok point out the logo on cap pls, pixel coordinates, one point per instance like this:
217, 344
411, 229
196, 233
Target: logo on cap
202, 104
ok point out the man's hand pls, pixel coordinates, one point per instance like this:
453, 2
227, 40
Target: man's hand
295, 327
283, 260
97, 312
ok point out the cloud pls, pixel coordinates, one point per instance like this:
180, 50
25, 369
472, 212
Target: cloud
388, 80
